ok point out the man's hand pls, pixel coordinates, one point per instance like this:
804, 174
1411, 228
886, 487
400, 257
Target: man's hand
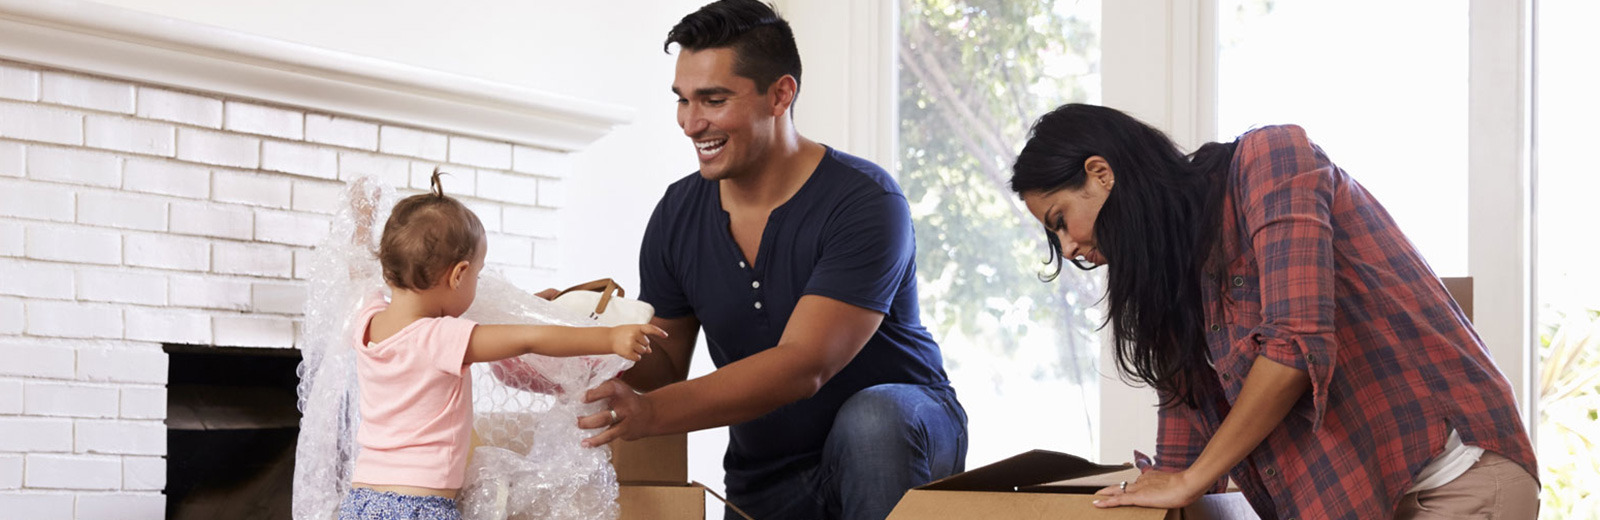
633, 414
1155, 488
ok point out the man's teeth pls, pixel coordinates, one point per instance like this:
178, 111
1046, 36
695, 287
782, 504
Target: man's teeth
710, 147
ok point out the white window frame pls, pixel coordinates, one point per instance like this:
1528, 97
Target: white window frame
1159, 60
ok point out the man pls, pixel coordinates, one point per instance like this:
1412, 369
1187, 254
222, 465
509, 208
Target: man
798, 262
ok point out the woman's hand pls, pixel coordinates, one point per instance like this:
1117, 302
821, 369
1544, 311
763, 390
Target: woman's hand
633, 341
1155, 488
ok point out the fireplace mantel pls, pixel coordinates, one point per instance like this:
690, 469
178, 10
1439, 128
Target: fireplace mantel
121, 43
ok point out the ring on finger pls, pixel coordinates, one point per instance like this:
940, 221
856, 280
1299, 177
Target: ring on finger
1123, 485
614, 418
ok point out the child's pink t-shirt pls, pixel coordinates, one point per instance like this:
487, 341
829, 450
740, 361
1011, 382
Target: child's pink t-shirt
416, 402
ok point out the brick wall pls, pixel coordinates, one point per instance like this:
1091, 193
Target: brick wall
133, 215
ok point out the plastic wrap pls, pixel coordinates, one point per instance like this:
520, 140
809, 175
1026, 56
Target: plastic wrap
528, 463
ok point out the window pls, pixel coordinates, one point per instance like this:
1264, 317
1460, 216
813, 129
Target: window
1022, 353
1384, 95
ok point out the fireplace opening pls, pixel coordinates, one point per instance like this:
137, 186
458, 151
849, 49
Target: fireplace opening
231, 430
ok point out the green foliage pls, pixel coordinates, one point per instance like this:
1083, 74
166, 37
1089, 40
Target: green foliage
1569, 404
974, 75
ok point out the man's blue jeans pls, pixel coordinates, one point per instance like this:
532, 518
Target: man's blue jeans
885, 440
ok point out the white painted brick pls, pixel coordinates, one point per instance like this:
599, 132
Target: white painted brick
51, 399
167, 252
37, 280
36, 201
487, 212
252, 331
166, 326
507, 187
11, 238
390, 171
13, 159
552, 193
480, 153
122, 506
87, 92
10, 401
302, 264
32, 359
74, 166
80, 245
179, 107
32, 122
205, 146
134, 363
73, 472
119, 210
19, 83
542, 162
546, 253
37, 505
264, 120
73, 320
317, 197
339, 131
11, 469
458, 181
273, 191
37, 434
210, 293
279, 298
12, 317
300, 159
282, 227
120, 437
98, 285
412, 143
252, 259
140, 402
166, 178
212, 220
510, 250
130, 135
144, 473
530, 222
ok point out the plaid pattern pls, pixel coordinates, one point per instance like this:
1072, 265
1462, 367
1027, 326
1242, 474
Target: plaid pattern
1315, 275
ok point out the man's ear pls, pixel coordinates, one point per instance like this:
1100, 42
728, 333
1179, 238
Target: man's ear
783, 92
459, 273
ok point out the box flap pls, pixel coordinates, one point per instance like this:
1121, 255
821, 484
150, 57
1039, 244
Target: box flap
920, 504
662, 459
1087, 484
1028, 469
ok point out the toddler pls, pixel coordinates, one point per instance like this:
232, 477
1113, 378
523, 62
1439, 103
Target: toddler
413, 355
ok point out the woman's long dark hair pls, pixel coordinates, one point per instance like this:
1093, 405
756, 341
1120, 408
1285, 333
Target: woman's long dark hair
1156, 231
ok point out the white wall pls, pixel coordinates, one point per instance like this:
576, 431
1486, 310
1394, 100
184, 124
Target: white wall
606, 51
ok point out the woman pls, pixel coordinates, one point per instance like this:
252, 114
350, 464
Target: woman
1298, 341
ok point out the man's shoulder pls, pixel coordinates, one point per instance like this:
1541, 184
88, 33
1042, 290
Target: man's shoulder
858, 174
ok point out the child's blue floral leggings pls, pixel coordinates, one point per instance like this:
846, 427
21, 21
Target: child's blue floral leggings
367, 504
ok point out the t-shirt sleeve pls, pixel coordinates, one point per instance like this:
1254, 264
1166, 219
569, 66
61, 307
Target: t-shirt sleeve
658, 280
867, 251
446, 341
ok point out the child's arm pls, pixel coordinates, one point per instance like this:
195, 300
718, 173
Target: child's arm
497, 342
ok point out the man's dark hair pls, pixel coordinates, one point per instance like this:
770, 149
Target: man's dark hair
762, 43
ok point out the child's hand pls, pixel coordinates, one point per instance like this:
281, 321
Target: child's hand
633, 341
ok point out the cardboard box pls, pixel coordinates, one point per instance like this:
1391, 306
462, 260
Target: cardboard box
656, 460
1044, 484
662, 502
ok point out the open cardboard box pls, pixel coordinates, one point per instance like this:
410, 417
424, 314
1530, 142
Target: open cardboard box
654, 477
1044, 484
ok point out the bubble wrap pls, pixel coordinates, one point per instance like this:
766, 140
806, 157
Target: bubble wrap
527, 463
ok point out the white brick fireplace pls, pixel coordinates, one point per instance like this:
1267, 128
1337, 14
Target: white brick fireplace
163, 182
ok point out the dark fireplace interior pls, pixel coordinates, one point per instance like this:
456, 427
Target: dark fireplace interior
231, 429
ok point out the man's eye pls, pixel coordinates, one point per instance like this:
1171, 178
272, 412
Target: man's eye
715, 101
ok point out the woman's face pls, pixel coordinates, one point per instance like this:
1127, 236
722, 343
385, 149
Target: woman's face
1070, 213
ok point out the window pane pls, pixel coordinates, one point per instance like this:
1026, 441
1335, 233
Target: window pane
1568, 282
1380, 85
973, 77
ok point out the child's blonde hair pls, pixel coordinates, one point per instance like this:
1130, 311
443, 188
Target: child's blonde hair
426, 235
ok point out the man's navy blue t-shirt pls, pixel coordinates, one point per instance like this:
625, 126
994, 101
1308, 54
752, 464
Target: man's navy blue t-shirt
846, 235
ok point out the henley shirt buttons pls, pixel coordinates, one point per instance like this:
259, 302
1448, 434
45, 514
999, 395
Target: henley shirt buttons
755, 285
741, 265
758, 305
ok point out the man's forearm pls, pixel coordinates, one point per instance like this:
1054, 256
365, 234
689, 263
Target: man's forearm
736, 393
